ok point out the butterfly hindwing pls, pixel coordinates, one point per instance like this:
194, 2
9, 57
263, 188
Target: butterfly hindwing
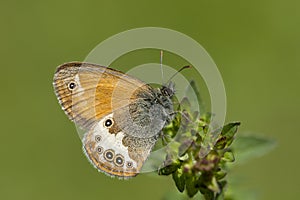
116, 153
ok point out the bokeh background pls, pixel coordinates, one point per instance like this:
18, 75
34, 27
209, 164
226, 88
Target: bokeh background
254, 43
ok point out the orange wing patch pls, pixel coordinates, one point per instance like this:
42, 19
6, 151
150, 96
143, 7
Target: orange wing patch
96, 91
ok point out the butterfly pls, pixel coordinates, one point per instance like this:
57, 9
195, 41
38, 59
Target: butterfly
122, 117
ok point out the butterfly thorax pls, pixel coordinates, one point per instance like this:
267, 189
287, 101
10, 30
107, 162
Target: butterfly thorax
148, 112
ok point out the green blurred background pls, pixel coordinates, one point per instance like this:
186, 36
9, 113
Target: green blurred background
254, 43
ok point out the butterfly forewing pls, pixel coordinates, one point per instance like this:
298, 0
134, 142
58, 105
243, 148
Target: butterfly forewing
87, 92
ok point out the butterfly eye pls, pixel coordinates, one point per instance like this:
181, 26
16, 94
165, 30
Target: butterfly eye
119, 160
72, 85
99, 149
98, 138
109, 155
108, 123
129, 164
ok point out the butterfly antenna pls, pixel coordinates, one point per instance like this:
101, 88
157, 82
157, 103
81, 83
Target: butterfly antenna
182, 68
161, 68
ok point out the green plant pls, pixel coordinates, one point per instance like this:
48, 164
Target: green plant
198, 154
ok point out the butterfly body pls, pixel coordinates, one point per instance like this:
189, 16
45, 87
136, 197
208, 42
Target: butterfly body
121, 115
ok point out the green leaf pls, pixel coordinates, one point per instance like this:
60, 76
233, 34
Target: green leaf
220, 174
179, 180
227, 135
230, 129
247, 147
207, 193
191, 185
170, 165
167, 170
221, 143
228, 156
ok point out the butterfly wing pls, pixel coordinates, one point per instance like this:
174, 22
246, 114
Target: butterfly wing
116, 154
114, 110
87, 92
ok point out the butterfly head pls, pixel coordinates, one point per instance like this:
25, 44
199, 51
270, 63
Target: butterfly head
168, 90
